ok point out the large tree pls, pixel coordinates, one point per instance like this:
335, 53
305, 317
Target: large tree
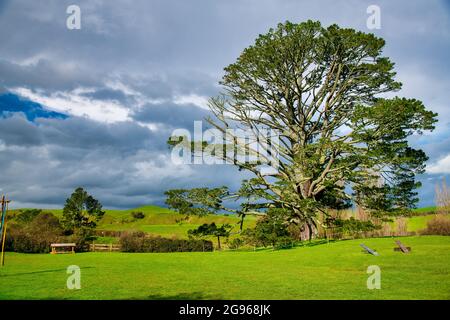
341, 139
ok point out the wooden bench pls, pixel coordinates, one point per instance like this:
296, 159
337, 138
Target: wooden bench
54, 247
368, 250
401, 247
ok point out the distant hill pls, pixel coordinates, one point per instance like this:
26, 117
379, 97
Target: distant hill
157, 220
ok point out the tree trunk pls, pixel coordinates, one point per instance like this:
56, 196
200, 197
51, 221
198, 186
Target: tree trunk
310, 231
242, 222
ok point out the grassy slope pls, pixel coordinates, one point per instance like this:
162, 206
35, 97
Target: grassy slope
158, 221
425, 210
329, 271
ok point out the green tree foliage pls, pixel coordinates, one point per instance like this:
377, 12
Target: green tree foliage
141, 242
197, 201
236, 243
320, 89
81, 211
33, 234
138, 215
352, 226
270, 229
211, 230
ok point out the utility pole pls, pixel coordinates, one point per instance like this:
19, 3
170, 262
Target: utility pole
4, 203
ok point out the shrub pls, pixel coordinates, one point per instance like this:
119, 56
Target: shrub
126, 220
43, 230
236, 243
442, 197
81, 237
132, 241
19, 241
439, 225
402, 227
269, 230
250, 238
35, 236
139, 242
138, 215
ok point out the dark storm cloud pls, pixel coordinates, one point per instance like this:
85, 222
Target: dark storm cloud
89, 134
107, 94
44, 74
171, 114
123, 164
74, 133
16, 130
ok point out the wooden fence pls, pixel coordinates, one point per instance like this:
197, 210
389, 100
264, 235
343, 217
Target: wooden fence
104, 247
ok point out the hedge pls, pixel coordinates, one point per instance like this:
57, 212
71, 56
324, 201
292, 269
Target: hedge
140, 242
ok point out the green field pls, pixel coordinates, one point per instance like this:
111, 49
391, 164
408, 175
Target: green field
325, 271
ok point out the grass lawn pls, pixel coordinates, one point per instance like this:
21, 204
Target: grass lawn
419, 222
416, 223
328, 271
168, 230
425, 210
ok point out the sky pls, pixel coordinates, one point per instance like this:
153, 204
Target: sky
94, 106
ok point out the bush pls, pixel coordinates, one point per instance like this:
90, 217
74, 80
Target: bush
439, 225
126, 220
132, 241
138, 215
139, 242
236, 243
35, 236
81, 237
269, 230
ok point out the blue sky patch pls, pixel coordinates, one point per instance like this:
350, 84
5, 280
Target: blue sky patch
12, 103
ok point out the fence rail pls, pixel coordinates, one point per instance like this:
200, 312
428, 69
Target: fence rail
104, 247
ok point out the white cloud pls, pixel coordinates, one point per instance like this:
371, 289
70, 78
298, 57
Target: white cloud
423, 85
161, 170
194, 99
74, 103
441, 166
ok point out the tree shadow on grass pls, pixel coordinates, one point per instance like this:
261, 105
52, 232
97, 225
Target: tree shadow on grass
180, 296
38, 272
313, 243
296, 245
